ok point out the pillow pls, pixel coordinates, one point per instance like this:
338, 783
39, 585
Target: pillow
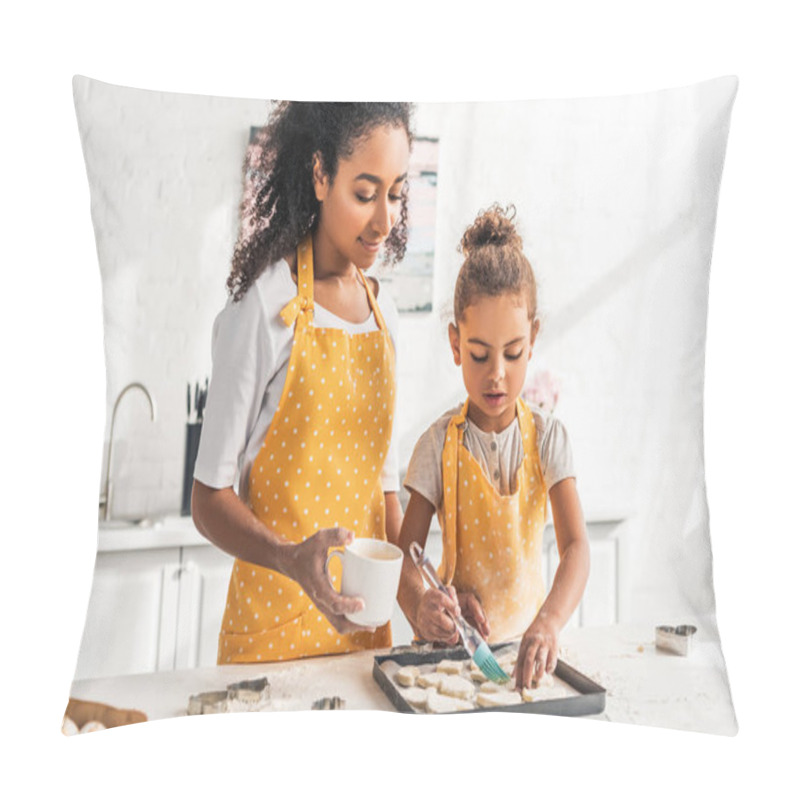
616, 201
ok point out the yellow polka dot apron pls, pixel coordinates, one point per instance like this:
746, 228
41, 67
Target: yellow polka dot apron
320, 466
492, 543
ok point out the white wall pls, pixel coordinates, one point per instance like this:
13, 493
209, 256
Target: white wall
615, 218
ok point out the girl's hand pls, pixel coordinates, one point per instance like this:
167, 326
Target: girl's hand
473, 613
538, 651
306, 565
433, 622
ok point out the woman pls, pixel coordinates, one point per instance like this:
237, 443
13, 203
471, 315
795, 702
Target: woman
301, 399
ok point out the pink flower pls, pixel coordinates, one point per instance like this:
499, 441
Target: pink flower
542, 391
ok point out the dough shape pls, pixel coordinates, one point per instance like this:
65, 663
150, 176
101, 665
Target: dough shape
444, 704
546, 693
416, 696
456, 686
490, 687
68, 727
476, 674
449, 667
93, 725
428, 679
498, 699
407, 676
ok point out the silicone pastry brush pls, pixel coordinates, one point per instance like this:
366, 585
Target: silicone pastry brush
474, 644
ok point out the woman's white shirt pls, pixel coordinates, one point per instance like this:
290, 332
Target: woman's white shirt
250, 351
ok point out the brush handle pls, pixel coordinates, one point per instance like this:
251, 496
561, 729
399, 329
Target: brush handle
425, 567
429, 573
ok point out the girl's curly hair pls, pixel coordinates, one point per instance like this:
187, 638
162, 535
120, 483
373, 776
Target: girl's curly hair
494, 263
284, 207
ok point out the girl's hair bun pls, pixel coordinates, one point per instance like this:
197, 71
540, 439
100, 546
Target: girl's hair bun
494, 262
493, 227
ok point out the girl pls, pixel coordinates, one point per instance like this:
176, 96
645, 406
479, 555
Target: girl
301, 398
487, 470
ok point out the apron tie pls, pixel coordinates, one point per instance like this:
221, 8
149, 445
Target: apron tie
450, 456
304, 299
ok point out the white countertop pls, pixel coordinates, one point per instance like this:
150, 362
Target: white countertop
169, 531
177, 531
643, 685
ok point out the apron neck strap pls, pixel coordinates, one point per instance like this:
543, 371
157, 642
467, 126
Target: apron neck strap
527, 428
450, 456
373, 301
304, 299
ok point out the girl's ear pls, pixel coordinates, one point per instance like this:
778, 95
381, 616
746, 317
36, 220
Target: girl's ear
534, 333
455, 343
320, 177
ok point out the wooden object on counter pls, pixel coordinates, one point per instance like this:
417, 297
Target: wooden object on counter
83, 711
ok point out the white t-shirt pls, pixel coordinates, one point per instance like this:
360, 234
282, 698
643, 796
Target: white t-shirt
250, 354
499, 455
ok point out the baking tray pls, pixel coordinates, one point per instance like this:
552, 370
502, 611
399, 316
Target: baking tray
590, 700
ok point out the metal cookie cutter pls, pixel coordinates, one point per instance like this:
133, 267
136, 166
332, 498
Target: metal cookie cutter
675, 640
250, 695
328, 704
208, 703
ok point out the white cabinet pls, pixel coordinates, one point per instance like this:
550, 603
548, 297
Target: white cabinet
152, 609
205, 573
600, 602
131, 620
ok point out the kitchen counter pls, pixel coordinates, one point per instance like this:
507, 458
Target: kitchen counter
643, 685
170, 531
177, 531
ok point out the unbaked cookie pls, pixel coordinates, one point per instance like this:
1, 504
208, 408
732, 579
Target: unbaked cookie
416, 696
93, 725
68, 727
490, 687
407, 676
497, 699
449, 667
430, 679
456, 686
476, 674
444, 704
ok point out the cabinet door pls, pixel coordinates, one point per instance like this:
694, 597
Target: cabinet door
132, 615
598, 605
205, 572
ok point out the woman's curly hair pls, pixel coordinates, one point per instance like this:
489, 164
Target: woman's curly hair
283, 207
494, 263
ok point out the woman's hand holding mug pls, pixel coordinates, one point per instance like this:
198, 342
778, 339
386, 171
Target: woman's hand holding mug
307, 564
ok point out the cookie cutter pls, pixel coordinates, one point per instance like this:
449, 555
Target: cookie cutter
328, 704
676, 639
208, 703
248, 695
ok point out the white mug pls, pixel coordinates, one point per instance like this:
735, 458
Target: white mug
370, 570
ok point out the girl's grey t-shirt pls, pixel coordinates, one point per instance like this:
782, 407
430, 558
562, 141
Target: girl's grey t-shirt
499, 454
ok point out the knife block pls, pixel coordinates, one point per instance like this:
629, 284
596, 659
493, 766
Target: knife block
192, 444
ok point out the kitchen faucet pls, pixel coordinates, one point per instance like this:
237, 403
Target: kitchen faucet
105, 498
